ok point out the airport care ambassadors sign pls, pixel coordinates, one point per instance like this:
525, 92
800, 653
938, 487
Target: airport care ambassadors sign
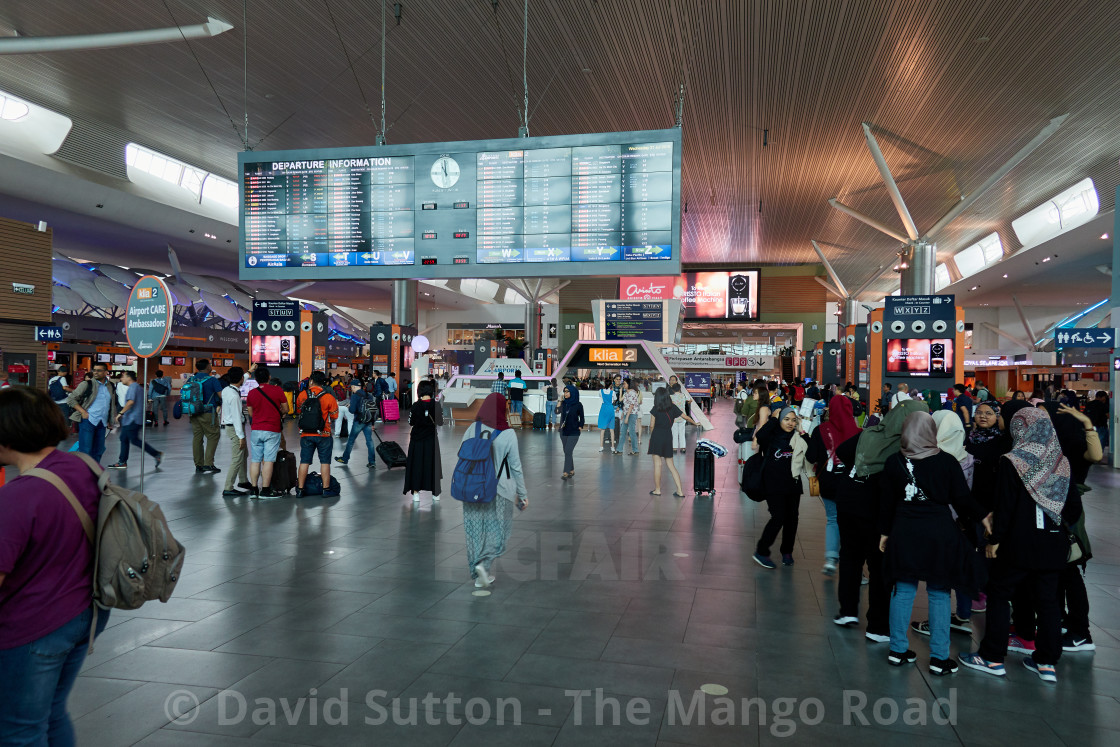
148, 319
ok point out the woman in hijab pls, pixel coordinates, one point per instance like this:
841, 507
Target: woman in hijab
1034, 497
423, 469
921, 540
571, 423
784, 451
838, 428
987, 441
488, 525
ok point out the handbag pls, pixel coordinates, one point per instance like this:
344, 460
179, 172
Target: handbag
1079, 549
814, 485
752, 476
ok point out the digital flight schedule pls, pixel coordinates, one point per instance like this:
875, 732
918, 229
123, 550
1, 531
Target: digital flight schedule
601, 204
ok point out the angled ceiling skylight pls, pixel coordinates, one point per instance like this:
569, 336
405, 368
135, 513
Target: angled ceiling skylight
942, 276
1074, 207
27, 127
204, 186
973, 259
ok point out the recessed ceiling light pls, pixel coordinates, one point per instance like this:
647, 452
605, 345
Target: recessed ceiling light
1104, 235
974, 287
1005, 274
1045, 259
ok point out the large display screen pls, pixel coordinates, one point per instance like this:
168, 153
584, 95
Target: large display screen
919, 357
273, 350
704, 296
603, 204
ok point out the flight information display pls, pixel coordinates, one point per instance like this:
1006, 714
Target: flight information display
605, 204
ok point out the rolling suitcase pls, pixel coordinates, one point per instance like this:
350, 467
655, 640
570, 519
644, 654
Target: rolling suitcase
538, 421
704, 472
390, 452
390, 410
284, 473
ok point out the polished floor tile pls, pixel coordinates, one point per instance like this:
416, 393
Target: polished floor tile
618, 618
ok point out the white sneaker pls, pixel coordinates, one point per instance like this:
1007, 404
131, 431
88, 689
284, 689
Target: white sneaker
484, 579
877, 638
601, 450
829, 567
415, 497
435, 499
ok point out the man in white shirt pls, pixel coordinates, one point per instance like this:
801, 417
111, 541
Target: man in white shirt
233, 423
59, 389
901, 395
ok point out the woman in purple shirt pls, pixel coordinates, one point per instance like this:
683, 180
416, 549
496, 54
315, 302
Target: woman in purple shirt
46, 572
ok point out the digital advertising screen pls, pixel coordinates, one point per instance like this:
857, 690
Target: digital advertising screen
920, 357
273, 350
601, 204
704, 296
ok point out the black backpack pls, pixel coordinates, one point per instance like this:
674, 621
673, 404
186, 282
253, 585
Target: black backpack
311, 414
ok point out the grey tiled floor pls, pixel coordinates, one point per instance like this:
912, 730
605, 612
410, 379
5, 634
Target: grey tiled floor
606, 588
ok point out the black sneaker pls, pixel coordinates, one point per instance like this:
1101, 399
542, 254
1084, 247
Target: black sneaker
299, 492
1071, 642
960, 625
942, 667
269, 493
372, 465
200, 470
921, 628
900, 660
340, 460
211, 469
246, 486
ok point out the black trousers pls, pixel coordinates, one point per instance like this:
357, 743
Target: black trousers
859, 545
783, 518
1042, 587
1072, 588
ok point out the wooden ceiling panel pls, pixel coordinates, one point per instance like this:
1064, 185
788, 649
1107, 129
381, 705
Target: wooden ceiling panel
776, 93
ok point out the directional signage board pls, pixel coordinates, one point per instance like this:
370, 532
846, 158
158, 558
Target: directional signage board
48, 334
148, 317
698, 383
1090, 337
634, 320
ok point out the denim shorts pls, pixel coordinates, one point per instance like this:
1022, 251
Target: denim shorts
308, 445
263, 446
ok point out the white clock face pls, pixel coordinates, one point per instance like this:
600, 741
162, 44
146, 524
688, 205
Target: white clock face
445, 172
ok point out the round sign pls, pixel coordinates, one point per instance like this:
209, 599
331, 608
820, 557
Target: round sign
148, 317
419, 344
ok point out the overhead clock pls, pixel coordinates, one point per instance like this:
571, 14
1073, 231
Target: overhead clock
445, 172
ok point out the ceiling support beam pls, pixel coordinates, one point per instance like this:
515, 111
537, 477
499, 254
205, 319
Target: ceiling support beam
298, 288
1002, 171
1023, 318
868, 220
888, 180
40, 44
831, 289
843, 292
867, 284
1018, 341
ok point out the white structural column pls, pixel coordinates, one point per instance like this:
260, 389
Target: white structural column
403, 306
919, 277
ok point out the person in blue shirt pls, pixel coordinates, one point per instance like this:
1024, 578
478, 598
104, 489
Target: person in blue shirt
391, 385
129, 420
204, 425
516, 391
358, 398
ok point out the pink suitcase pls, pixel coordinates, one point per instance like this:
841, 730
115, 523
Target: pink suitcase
390, 410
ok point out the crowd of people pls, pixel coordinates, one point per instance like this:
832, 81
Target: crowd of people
978, 499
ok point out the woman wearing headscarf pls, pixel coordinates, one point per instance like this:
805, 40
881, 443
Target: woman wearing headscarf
423, 469
987, 441
921, 540
571, 423
838, 428
1034, 497
488, 525
783, 449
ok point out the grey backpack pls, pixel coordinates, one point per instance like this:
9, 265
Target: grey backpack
135, 558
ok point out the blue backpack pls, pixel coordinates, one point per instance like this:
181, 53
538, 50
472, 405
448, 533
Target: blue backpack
56, 390
475, 480
190, 397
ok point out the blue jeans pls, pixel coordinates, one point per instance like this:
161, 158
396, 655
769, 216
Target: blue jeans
631, 436
38, 677
831, 531
550, 412
515, 406
366, 428
902, 606
130, 435
91, 439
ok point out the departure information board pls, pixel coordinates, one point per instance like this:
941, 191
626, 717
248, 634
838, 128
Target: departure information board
605, 204
633, 320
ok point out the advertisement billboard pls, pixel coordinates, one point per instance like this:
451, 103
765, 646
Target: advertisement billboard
920, 357
704, 296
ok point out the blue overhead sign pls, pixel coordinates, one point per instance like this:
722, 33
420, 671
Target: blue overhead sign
48, 334
1091, 337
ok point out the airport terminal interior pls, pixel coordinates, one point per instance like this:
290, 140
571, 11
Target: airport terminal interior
671, 234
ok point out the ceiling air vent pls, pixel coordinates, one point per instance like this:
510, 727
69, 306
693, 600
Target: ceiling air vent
95, 146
